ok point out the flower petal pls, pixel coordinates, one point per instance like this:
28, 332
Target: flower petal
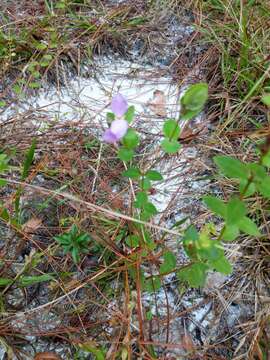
109, 137
119, 128
119, 105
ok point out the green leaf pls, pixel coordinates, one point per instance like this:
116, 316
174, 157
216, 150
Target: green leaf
137, 21
188, 114
36, 74
129, 115
149, 315
2, 103
153, 175
132, 172
125, 154
34, 85
248, 226
4, 214
194, 275
17, 89
169, 263
40, 45
75, 255
266, 99
3, 162
258, 172
150, 244
170, 147
133, 241
99, 354
110, 117
191, 234
153, 284
131, 139
250, 190
45, 61
60, 5
3, 182
195, 97
236, 210
232, 167
216, 205
171, 129
264, 187
141, 199
222, 265
190, 239
230, 233
145, 184
28, 160
207, 248
150, 208
31, 280
180, 222
266, 159
5, 281
74, 242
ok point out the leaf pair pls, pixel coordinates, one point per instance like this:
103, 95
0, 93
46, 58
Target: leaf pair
252, 177
171, 131
234, 214
130, 141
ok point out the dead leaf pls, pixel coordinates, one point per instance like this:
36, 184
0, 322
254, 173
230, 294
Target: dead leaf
187, 343
158, 104
47, 356
32, 225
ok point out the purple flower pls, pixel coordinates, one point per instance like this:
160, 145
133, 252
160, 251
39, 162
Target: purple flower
117, 130
119, 105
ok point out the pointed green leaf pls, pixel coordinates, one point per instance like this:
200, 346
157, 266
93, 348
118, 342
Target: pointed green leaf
248, 226
153, 284
133, 241
230, 233
222, 265
28, 160
146, 184
171, 129
150, 208
153, 175
169, 263
141, 199
170, 147
131, 139
264, 187
236, 210
194, 275
266, 99
190, 239
129, 115
125, 154
110, 117
132, 172
232, 167
216, 205
249, 191
195, 97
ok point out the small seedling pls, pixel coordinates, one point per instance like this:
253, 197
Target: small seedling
74, 242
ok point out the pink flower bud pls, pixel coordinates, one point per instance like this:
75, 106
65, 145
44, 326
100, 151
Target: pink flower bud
119, 105
117, 130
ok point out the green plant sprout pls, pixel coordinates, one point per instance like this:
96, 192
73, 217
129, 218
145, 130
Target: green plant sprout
74, 242
204, 248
